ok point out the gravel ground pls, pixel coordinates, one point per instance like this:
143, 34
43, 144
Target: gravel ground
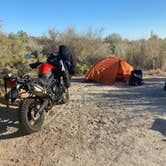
101, 125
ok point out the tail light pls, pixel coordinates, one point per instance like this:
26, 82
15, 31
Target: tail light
10, 81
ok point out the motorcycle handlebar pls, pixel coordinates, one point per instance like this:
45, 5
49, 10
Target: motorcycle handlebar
35, 65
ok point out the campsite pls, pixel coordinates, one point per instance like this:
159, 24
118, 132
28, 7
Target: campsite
82, 83
101, 125
109, 119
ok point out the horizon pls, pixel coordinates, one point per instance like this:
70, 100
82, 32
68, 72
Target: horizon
131, 20
146, 37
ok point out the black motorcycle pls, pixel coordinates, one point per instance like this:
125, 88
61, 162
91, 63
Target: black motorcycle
42, 93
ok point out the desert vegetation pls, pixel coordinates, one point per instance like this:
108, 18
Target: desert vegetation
101, 125
88, 47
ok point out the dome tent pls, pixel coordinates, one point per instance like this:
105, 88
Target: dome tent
109, 70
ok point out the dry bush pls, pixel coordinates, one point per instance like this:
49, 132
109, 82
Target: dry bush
156, 72
88, 47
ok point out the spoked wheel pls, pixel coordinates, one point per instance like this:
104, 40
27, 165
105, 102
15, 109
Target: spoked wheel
30, 118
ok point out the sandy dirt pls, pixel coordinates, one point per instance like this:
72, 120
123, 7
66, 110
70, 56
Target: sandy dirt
101, 125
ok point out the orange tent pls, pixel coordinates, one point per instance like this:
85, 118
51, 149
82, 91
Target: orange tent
109, 70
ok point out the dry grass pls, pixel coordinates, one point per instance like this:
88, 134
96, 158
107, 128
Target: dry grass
156, 72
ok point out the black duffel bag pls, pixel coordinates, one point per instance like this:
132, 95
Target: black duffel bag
136, 78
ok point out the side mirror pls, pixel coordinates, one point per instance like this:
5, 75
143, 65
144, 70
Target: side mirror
27, 56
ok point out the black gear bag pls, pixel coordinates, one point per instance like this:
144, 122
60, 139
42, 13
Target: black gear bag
136, 78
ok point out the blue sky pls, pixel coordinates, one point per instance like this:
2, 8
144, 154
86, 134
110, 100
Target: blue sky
132, 19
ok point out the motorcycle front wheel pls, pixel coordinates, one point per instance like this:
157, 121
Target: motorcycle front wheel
30, 119
65, 96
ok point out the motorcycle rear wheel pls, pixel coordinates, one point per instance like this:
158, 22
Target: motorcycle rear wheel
30, 120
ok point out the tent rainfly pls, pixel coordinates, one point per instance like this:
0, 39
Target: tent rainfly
109, 70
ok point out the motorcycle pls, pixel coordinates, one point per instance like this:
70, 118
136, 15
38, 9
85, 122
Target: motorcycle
44, 92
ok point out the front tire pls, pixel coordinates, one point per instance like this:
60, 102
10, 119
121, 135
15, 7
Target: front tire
65, 96
30, 120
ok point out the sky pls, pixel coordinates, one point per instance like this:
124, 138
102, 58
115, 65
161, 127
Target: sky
132, 19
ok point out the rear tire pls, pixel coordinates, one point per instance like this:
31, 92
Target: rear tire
30, 120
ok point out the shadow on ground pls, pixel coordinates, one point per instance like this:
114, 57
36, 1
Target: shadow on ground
149, 96
78, 80
8, 119
160, 125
